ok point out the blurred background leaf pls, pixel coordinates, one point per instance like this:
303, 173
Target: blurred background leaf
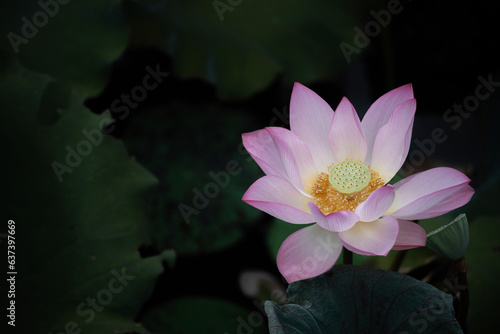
483, 273
74, 234
242, 48
203, 315
72, 41
203, 172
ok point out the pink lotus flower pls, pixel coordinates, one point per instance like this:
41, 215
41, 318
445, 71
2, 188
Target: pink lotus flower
333, 169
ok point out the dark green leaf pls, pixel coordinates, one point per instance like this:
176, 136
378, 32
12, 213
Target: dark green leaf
74, 42
196, 153
353, 299
203, 315
76, 233
450, 240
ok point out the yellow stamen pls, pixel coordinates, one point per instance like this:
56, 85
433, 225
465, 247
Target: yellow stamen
349, 184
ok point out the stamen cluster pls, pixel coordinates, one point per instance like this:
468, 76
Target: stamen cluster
352, 184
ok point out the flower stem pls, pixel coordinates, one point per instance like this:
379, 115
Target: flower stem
346, 256
463, 293
398, 260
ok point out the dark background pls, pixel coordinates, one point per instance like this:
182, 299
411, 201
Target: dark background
228, 73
